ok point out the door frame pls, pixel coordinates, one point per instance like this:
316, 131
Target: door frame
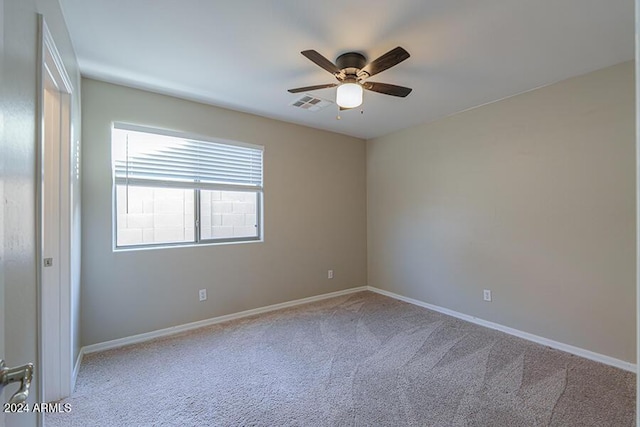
50, 65
637, 144
2, 256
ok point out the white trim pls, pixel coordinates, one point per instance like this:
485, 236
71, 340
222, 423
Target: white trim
55, 354
76, 369
58, 73
587, 354
135, 339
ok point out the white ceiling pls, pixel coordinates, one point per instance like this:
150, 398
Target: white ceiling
244, 55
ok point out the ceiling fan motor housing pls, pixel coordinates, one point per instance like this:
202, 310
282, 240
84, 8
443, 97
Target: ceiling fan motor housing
351, 60
350, 64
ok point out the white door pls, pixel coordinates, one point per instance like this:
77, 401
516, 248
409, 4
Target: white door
12, 326
51, 272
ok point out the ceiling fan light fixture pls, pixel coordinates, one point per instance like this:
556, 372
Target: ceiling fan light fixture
349, 95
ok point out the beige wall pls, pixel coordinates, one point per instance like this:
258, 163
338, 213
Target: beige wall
18, 158
532, 197
314, 220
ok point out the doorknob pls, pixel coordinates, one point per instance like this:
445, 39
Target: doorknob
23, 373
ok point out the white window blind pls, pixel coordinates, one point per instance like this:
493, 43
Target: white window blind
149, 157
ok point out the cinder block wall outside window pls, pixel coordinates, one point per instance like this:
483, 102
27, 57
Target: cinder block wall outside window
158, 215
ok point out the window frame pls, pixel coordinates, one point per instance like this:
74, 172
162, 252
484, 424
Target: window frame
197, 213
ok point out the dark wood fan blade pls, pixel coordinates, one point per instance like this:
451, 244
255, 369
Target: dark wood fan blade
310, 88
386, 61
387, 89
321, 61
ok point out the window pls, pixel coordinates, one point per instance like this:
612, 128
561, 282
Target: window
173, 189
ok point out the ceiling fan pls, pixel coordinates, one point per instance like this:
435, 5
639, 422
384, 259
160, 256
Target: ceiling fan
352, 71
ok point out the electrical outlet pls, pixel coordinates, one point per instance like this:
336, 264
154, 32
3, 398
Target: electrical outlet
486, 295
329, 274
202, 294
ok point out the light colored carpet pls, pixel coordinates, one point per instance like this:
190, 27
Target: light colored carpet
359, 360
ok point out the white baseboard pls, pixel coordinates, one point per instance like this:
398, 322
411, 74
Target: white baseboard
587, 354
76, 369
134, 339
